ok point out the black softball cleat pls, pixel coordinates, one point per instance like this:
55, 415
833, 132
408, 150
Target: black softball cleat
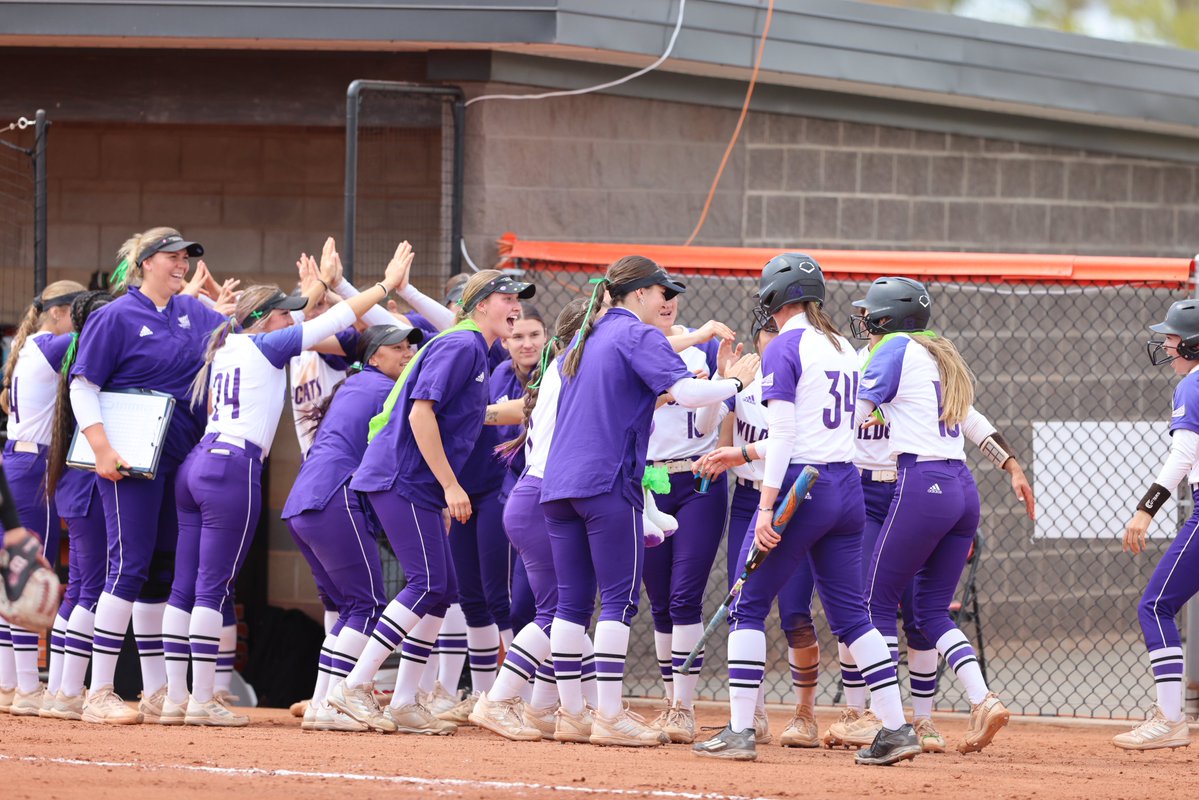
890, 747
731, 745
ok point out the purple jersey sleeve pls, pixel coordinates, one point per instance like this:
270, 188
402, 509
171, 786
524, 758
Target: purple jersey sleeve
1185, 416
781, 368
54, 348
446, 368
655, 361
101, 346
280, 346
880, 381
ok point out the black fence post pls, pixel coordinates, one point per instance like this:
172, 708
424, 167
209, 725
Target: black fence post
41, 129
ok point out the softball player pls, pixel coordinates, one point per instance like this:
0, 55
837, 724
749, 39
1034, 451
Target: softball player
810, 374
331, 527
30, 388
612, 377
425, 433
676, 571
745, 434
149, 338
1176, 577
218, 487
500, 709
924, 389
77, 499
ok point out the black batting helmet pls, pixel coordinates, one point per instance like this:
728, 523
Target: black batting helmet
790, 278
1182, 320
892, 305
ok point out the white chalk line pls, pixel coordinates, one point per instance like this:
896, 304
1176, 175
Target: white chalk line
407, 780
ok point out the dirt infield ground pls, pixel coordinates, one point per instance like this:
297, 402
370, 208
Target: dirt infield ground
273, 759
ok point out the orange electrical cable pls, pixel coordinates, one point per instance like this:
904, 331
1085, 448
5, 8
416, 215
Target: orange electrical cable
749, 93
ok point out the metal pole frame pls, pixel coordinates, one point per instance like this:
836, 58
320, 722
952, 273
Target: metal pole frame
41, 128
353, 102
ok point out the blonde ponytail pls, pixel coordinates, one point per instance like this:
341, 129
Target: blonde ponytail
821, 322
250, 300
957, 381
33, 320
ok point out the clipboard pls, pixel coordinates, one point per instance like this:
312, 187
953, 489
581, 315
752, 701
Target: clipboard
136, 421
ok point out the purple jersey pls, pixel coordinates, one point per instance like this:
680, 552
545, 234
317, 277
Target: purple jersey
453, 373
484, 471
130, 344
339, 443
1185, 414
605, 410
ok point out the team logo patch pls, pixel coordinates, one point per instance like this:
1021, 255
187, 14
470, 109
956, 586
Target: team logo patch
503, 399
924, 301
751, 400
935, 489
146, 331
1181, 410
482, 376
807, 267
185, 323
768, 380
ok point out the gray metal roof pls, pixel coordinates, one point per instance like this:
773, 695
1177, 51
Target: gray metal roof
848, 48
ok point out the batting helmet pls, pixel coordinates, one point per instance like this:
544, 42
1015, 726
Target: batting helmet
1182, 320
892, 305
790, 278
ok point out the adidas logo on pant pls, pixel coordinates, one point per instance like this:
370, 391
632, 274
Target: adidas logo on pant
934, 489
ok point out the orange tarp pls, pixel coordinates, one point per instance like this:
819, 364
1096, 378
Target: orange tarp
860, 264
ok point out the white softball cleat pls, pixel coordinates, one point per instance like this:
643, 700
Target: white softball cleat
327, 718
67, 707
504, 717
213, 715
986, 719
151, 706
802, 730
27, 705
626, 729
358, 702
931, 740
762, 734
105, 707
415, 718
1155, 733
173, 713
574, 728
543, 719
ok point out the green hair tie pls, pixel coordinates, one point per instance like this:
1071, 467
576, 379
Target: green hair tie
119, 274
68, 360
547, 355
657, 480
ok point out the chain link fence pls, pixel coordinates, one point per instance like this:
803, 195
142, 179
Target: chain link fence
1062, 372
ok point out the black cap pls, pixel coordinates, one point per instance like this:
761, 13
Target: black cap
660, 278
285, 302
377, 336
504, 284
455, 295
170, 244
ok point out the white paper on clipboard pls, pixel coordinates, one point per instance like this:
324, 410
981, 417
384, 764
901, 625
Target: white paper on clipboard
135, 421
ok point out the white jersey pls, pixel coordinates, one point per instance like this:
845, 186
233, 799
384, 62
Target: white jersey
312, 380
802, 366
873, 444
902, 379
674, 434
543, 421
749, 426
33, 394
247, 384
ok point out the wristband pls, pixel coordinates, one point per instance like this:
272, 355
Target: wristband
322, 283
386, 291
745, 453
996, 448
1154, 499
766, 510
740, 385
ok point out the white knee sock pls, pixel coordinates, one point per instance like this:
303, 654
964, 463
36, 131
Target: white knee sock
414, 655
545, 688
58, 635
506, 637
587, 670
566, 642
344, 651
176, 646
24, 646
389, 633
147, 630
747, 662
682, 640
428, 678
528, 650
111, 623
224, 662
78, 651
8, 664
451, 644
959, 655
922, 675
483, 645
662, 649
873, 657
204, 635
851, 680
324, 667
611, 647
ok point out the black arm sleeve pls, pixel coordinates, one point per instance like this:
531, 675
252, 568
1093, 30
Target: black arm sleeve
8, 507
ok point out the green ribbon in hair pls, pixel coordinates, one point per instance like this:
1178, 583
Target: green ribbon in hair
657, 480
68, 360
547, 355
120, 274
878, 414
380, 420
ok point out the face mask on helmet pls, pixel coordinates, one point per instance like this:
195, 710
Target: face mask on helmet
1182, 320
